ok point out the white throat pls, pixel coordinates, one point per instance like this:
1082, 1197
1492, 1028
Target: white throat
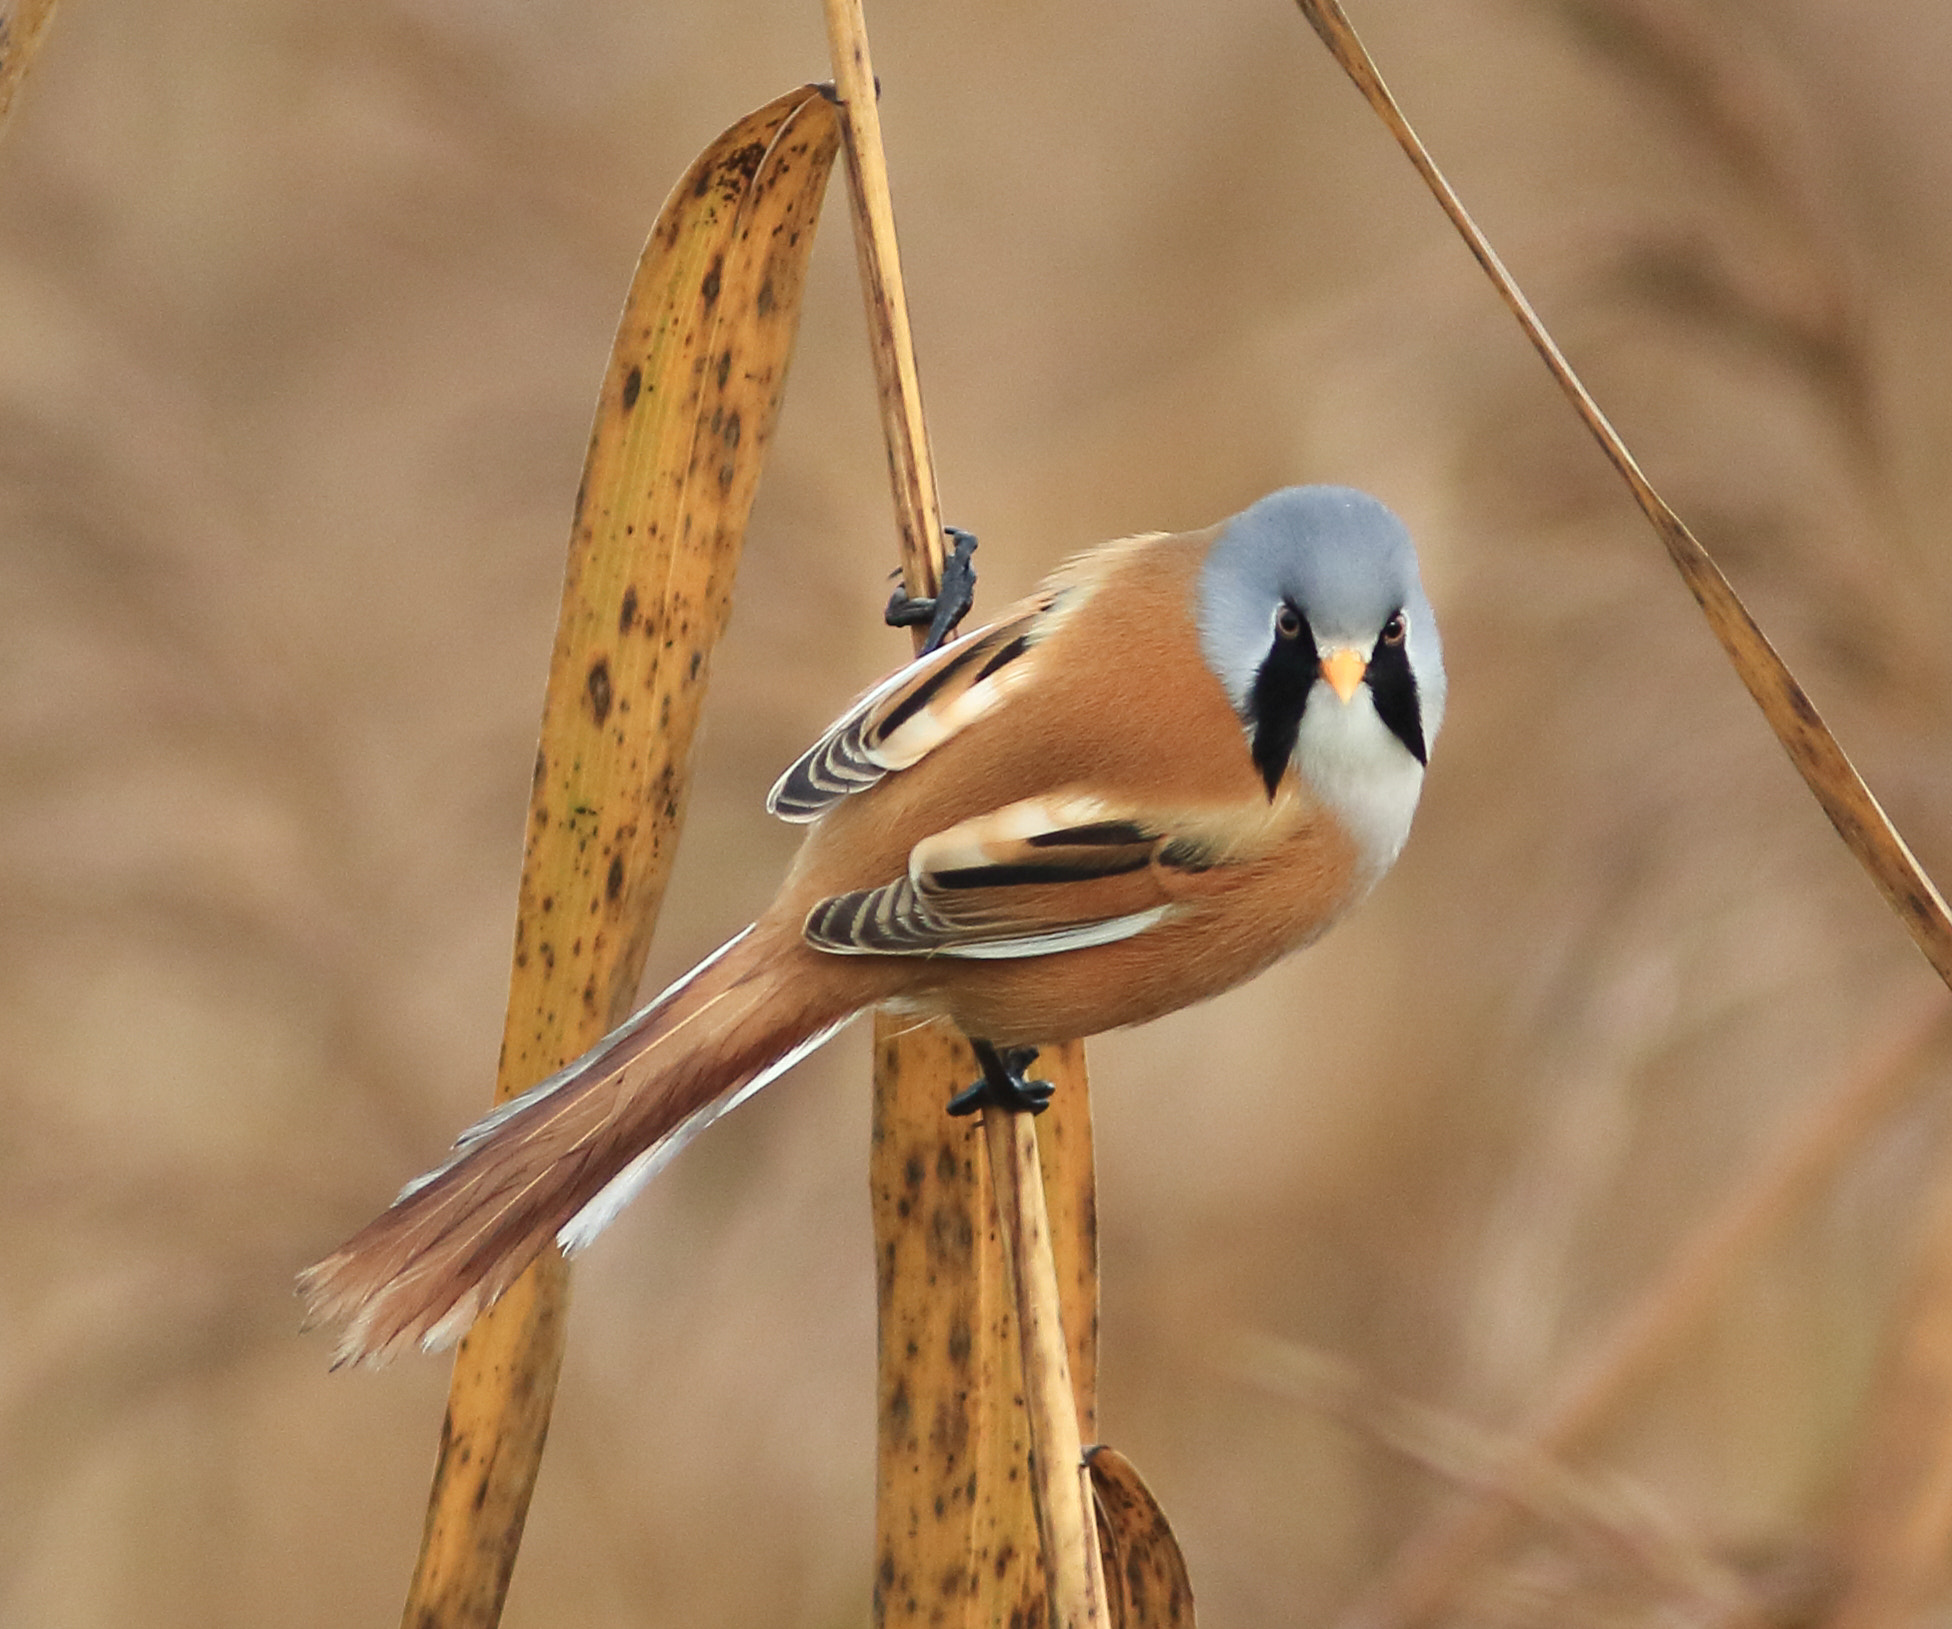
1350, 759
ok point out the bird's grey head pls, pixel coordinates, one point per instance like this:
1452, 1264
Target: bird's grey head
1312, 616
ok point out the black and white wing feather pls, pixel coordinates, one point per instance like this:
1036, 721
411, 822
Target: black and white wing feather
1031, 879
914, 711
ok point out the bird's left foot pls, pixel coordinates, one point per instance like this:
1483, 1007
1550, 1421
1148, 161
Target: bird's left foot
1004, 1085
952, 600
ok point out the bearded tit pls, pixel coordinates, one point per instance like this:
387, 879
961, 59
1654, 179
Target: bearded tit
1181, 758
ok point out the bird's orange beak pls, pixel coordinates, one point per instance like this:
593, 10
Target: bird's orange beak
1344, 668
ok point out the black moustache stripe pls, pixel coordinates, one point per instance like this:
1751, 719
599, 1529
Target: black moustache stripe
1394, 689
1275, 704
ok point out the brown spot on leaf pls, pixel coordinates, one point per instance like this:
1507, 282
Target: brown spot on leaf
599, 688
613, 884
627, 617
633, 383
949, 1430
952, 1237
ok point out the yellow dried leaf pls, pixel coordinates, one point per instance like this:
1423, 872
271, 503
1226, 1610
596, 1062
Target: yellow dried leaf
1146, 1585
687, 409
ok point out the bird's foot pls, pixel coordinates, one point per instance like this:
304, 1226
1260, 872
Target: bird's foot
951, 601
1004, 1085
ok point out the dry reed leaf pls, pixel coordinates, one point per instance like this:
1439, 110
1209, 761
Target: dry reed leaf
1826, 769
1146, 1583
687, 408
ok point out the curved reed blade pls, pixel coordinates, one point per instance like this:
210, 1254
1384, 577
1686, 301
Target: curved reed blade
1830, 775
1146, 1584
682, 426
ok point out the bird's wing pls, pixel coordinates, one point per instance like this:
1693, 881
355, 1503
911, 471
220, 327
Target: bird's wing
1051, 873
916, 709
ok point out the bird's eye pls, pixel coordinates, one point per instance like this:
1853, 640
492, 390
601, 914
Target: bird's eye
1397, 629
1287, 622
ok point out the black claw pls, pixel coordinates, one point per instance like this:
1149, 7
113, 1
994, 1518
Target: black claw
1003, 1085
951, 602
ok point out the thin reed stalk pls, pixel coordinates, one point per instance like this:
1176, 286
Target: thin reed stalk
972, 1559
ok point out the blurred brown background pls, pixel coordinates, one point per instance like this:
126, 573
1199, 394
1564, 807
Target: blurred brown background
302, 312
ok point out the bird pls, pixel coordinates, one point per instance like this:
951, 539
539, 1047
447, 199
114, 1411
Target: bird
1181, 758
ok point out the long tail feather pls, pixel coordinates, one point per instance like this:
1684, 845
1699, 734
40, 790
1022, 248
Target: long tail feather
560, 1161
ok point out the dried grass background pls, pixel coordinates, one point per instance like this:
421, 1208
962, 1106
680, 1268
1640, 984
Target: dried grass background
302, 311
